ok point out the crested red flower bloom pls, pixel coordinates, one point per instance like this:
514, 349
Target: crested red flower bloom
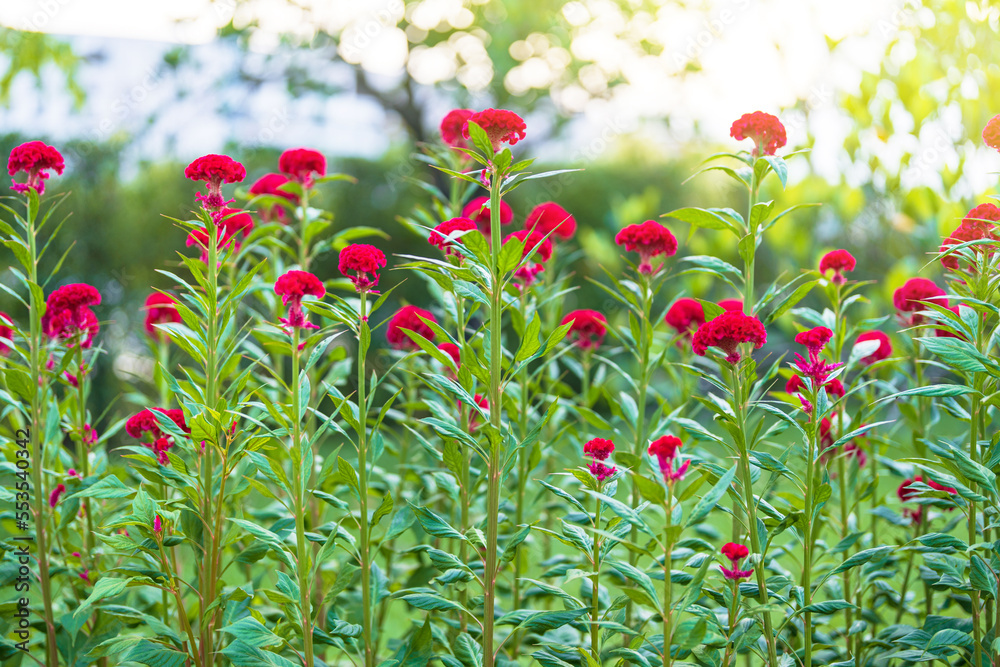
299, 164
478, 210
601, 471
56, 494
542, 247
292, 287
908, 490
500, 125
941, 332
815, 340
68, 314
588, 328
270, 184
727, 332
552, 218
230, 225
976, 225
767, 132
685, 315
90, 436
409, 317
160, 309
837, 261
826, 432
731, 305
907, 299
452, 126
144, 423
665, 450
215, 170
991, 133
598, 448
35, 158
357, 261
884, 350
452, 351
446, 233
794, 385
735, 553
6, 334
650, 239
835, 388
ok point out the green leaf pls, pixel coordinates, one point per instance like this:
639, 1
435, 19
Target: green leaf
429, 602
708, 502
106, 587
468, 650
639, 577
712, 218
826, 607
862, 557
249, 630
384, 508
20, 383
156, 655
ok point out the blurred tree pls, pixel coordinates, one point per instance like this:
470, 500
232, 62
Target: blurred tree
30, 53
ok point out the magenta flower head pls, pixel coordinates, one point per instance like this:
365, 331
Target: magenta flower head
735, 553
727, 332
215, 170
299, 164
35, 159
409, 317
448, 232
292, 288
599, 449
908, 298
685, 316
978, 224
587, 329
552, 218
6, 333
160, 309
991, 133
56, 494
157, 524
478, 210
767, 132
452, 126
68, 315
884, 350
500, 125
815, 340
650, 239
542, 247
270, 184
665, 450
357, 261
837, 261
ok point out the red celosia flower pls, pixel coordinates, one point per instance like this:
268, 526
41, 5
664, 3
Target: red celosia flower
685, 315
35, 159
452, 126
357, 261
56, 493
815, 340
89, 435
735, 553
908, 490
299, 164
599, 448
215, 170
293, 287
991, 133
6, 334
270, 184
853, 449
665, 450
884, 350
650, 239
588, 328
145, 422
68, 314
835, 388
478, 210
452, 351
552, 218
160, 309
908, 297
445, 234
157, 524
837, 261
727, 332
767, 132
542, 247
941, 332
976, 225
484, 405
601, 471
794, 385
501, 126
408, 317
826, 433
731, 305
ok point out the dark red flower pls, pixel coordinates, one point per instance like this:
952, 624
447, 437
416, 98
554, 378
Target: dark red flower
650, 239
299, 164
68, 314
542, 247
665, 449
446, 233
231, 224
853, 449
907, 299
735, 553
215, 170
835, 388
292, 287
452, 126
601, 471
588, 328
599, 448
991, 133
815, 340
501, 126
727, 332
552, 218
767, 132
478, 210
6, 334
160, 309
35, 159
409, 317
145, 422
941, 332
452, 351
731, 305
484, 405
837, 261
884, 350
270, 184
685, 315
977, 225
794, 385
357, 261
56, 494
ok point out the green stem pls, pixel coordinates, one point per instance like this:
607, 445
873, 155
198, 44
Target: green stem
668, 583
303, 225
207, 581
595, 598
522, 474
302, 549
465, 481
365, 546
807, 558
748, 269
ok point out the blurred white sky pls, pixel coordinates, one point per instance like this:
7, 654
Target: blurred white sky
755, 54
